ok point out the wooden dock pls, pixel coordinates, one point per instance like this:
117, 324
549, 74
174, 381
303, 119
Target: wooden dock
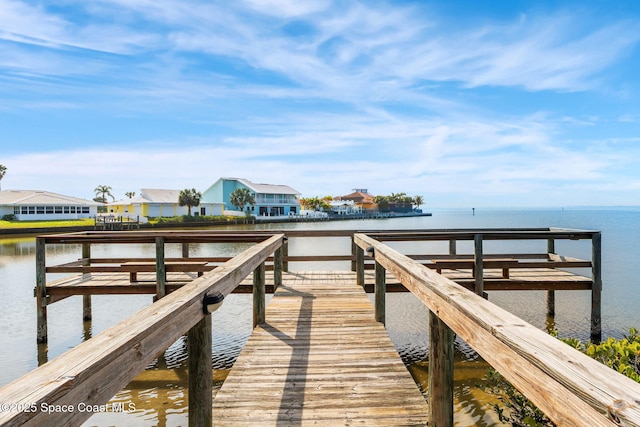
319, 359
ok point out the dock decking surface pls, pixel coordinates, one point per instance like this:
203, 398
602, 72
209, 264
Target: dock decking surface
320, 359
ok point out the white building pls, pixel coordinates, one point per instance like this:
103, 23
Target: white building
32, 205
345, 207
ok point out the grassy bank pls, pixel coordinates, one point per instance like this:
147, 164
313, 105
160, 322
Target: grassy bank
85, 222
20, 227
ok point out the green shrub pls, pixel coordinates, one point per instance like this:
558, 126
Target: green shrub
622, 355
9, 217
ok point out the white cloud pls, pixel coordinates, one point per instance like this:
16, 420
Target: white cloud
324, 95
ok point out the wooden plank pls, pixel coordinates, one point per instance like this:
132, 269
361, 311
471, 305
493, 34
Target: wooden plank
320, 359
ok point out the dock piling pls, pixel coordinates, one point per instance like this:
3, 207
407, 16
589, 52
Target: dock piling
441, 339
161, 274
86, 299
380, 292
596, 291
41, 290
359, 266
477, 266
551, 294
259, 292
199, 343
277, 268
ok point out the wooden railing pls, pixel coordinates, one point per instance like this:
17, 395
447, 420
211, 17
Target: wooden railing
64, 391
451, 255
568, 386
88, 264
478, 261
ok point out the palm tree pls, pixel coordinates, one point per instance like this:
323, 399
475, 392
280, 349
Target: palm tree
102, 191
3, 172
418, 201
130, 194
240, 197
189, 198
382, 202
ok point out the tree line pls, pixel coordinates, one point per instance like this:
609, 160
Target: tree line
383, 202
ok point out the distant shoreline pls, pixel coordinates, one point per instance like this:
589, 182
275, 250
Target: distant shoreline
9, 232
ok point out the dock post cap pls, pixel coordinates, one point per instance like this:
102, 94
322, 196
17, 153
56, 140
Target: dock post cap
370, 250
212, 302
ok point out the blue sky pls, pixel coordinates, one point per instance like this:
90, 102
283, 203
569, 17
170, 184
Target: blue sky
466, 103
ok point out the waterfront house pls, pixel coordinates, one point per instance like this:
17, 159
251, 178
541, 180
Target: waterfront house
271, 199
31, 205
154, 203
360, 197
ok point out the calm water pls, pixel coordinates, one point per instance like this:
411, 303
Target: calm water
158, 393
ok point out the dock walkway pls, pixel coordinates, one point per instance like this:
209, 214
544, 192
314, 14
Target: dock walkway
320, 359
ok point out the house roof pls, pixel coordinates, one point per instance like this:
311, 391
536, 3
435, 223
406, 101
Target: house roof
131, 201
38, 197
358, 197
266, 188
155, 195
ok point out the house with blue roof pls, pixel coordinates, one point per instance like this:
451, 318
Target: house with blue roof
271, 199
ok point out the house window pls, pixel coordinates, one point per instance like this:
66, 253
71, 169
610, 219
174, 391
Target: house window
39, 209
66, 209
73, 209
25, 210
49, 209
16, 210
85, 209
58, 209
32, 210
203, 211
